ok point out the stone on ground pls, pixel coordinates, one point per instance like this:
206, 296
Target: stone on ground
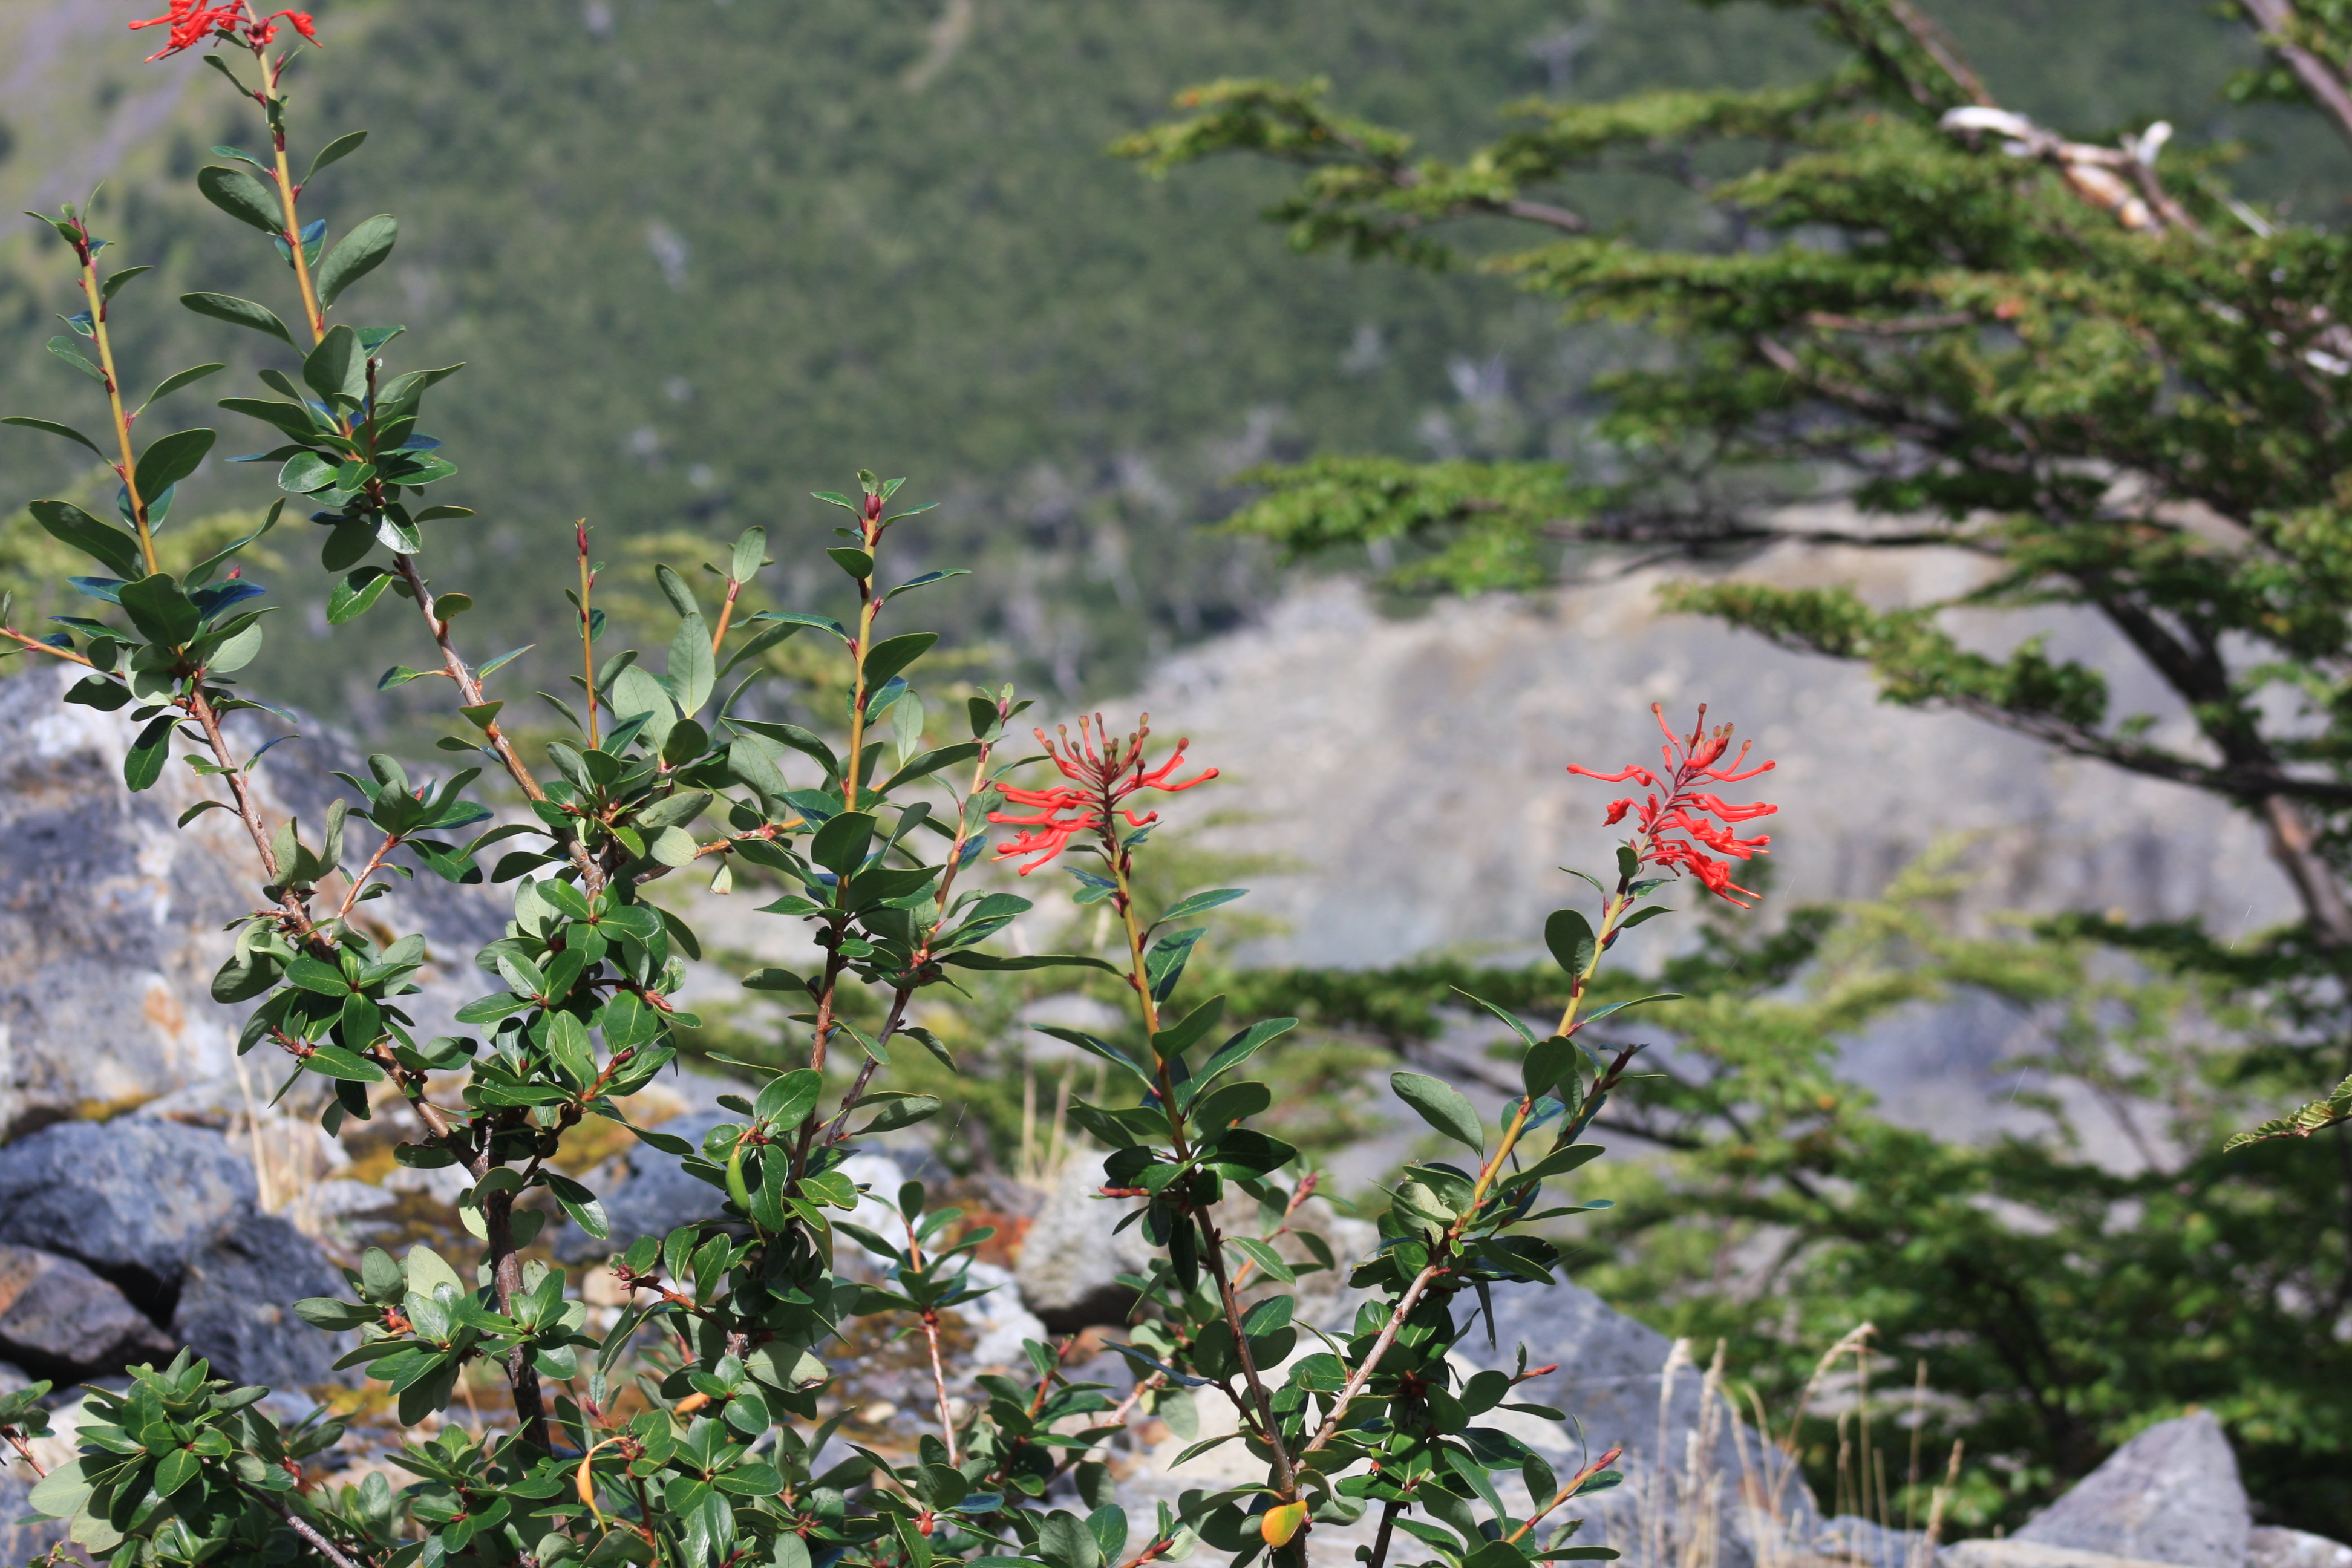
2169, 1494
63, 1322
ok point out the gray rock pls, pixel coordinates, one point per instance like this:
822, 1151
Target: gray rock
112, 916
1868, 1543
655, 1198
135, 1199
1609, 1382
25, 1542
2272, 1548
2169, 1494
1072, 1258
236, 1302
66, 1323
2013, 1552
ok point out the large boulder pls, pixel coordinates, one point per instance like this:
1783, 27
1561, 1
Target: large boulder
1623, 1384
135, 1199
2269, 1547
112, 916
1074, 1252
2169, 1494
60, 1321
159, 1217
236, 1305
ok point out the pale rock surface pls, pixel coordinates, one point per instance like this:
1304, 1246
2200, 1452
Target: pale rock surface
1411, 770
2268, 1547
111, 917
2019, 1553
2169, 1494
1072, 1258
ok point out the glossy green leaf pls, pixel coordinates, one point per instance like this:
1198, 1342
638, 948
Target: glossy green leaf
171, 460
1569, 935
1440, 1105
240, 312
245, 198
355, 256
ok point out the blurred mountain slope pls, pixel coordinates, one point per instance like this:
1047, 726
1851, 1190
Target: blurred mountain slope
703, 256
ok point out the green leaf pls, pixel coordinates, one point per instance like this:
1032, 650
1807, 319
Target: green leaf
898, 1109
841, 843
1569, 935
64, 349
334, 1061
673, 586
356, 594
172, 383
337, 368
335, 152
171, 460
580, 1203
1093, 1047
887, 659
786, 1099
102, 543
991, 961
113, 284
243, 197
358, 253
161, 611
1549, 1063
54, 429
1440, 1105
1600, 1013
1232, 1053
1163, 966
1197, 902
691, 671
143, 764
239, 312
751, 552
1560, 1162
202, 571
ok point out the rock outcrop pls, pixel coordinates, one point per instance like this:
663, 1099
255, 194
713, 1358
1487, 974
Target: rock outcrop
112, 916
2169, 1494
121, 1240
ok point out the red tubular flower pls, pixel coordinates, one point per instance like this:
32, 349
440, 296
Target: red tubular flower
190, 23
1102, 774
1691, 760
194, 21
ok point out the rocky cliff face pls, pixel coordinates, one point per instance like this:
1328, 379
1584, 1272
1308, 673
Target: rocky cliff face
1410, 770
111, 917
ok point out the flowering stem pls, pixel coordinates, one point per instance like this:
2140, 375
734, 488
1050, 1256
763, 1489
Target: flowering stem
1438, 1267
1213, 1244
128, 468
587, 631
288, 193
852, 766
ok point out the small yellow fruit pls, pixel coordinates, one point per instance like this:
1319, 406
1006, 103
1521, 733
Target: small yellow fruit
1281, 1523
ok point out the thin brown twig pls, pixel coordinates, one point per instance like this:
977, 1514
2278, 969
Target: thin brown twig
302, 1527
454, 665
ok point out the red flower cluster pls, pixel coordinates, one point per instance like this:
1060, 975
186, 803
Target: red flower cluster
192, 21
1101, 774
1690, 759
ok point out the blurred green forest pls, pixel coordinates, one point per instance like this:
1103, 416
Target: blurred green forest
705, 256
